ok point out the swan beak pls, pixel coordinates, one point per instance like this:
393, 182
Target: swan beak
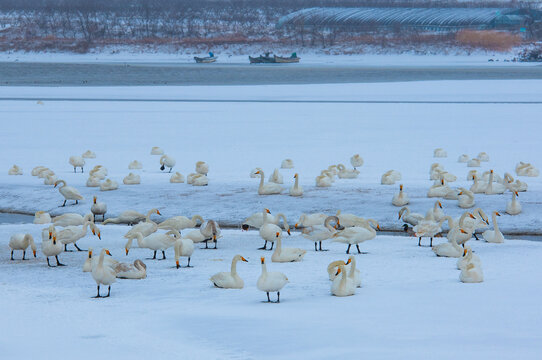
497, 213
263, 260
491, 171
34, 252
348, 262
464, 252
245, 260
472, 216
463, 231
257, 172
158, 212
50, 234
269, 212
108, 253
277, 234
461, 193
440, 204
517, 193
93, 232
401, 187
295, 226
90, 254
126, 251
378, 227
54, 240
288, 231
214, 238
338, 271
177, 262
99, 236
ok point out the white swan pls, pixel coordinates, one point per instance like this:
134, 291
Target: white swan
495, 235
471, 274
92, 261
50, 179
356, 161
286, 254
410, 218
42, 217
146, 227
343, 285
127, 217
513, 207
200, 180
467, 258
190, 178
319, 233
77, 161
390, 177
155, 242
271, 281
71, 234
526, 169
167, 161
93, 181
349, 220
210, 231
334, 266
478, 187
197, 237
109, 185
98, 208
434, 171
269, 230
463, 158
401, 198
202, 168
448, 249
35, 171
269, 188
323, 181
471, 224
180, 222
89, 155
494, 188
253, 174
296, 190
276, 177
103, 274
474, 162
457, 233
311, 220
21, 242
345, 173
466, 199
518, 185
435, 212
135, 165
137, 270
353, 272
132, 179
15, 170
51, 247
156, 150
440, 153
256, 220
357, 234
439, 190
483, 156
69, 192
429, 228
443, 175
71, 219
230, 279
99, 172
176, 178
183, 248
287, 164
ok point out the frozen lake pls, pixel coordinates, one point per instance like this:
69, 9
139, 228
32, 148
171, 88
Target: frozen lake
130, 74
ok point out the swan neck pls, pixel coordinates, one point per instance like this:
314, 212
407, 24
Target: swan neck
352, 267
296, 184
261, 179
495, 224
284, 221
234, 266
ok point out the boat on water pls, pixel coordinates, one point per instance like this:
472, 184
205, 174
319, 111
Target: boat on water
273, 59
205, 60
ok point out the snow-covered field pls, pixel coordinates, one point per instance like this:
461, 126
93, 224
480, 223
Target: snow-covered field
411, 305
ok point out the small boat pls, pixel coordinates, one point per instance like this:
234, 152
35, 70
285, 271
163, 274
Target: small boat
267, 58
292, 59
205, 60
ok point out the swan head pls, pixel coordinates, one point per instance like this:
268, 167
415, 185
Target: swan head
127, 250
465, 251
262, 259
107, 252
90, 253
442, 181
440, 204
94, 199
243, 259
54, 240
339, 271
277, 234
497, 213
257, 172
295, 176
401, 187
267, 211
177, 264
515, 192
56, 183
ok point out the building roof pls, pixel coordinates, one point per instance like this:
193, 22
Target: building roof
441, 17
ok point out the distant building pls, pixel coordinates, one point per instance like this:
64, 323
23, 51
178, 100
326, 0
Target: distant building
425, 19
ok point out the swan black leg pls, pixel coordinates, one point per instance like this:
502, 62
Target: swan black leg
48, 262
476, 237
278, 296
76, 202
216, 242
108, 291
206, 245
78, 248
64, 204
264, 247
11, 255
24, 254
272, 244
82, 170
315, 248
98, 295
321, 247
188, 263
348, 249
58, 262
74, 169
268, 299
163, 255
357, 247
420, 241
463, 245
431, 243
66, 248
154, 257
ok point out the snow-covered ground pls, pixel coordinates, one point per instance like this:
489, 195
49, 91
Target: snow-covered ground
237, 137
411, 303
